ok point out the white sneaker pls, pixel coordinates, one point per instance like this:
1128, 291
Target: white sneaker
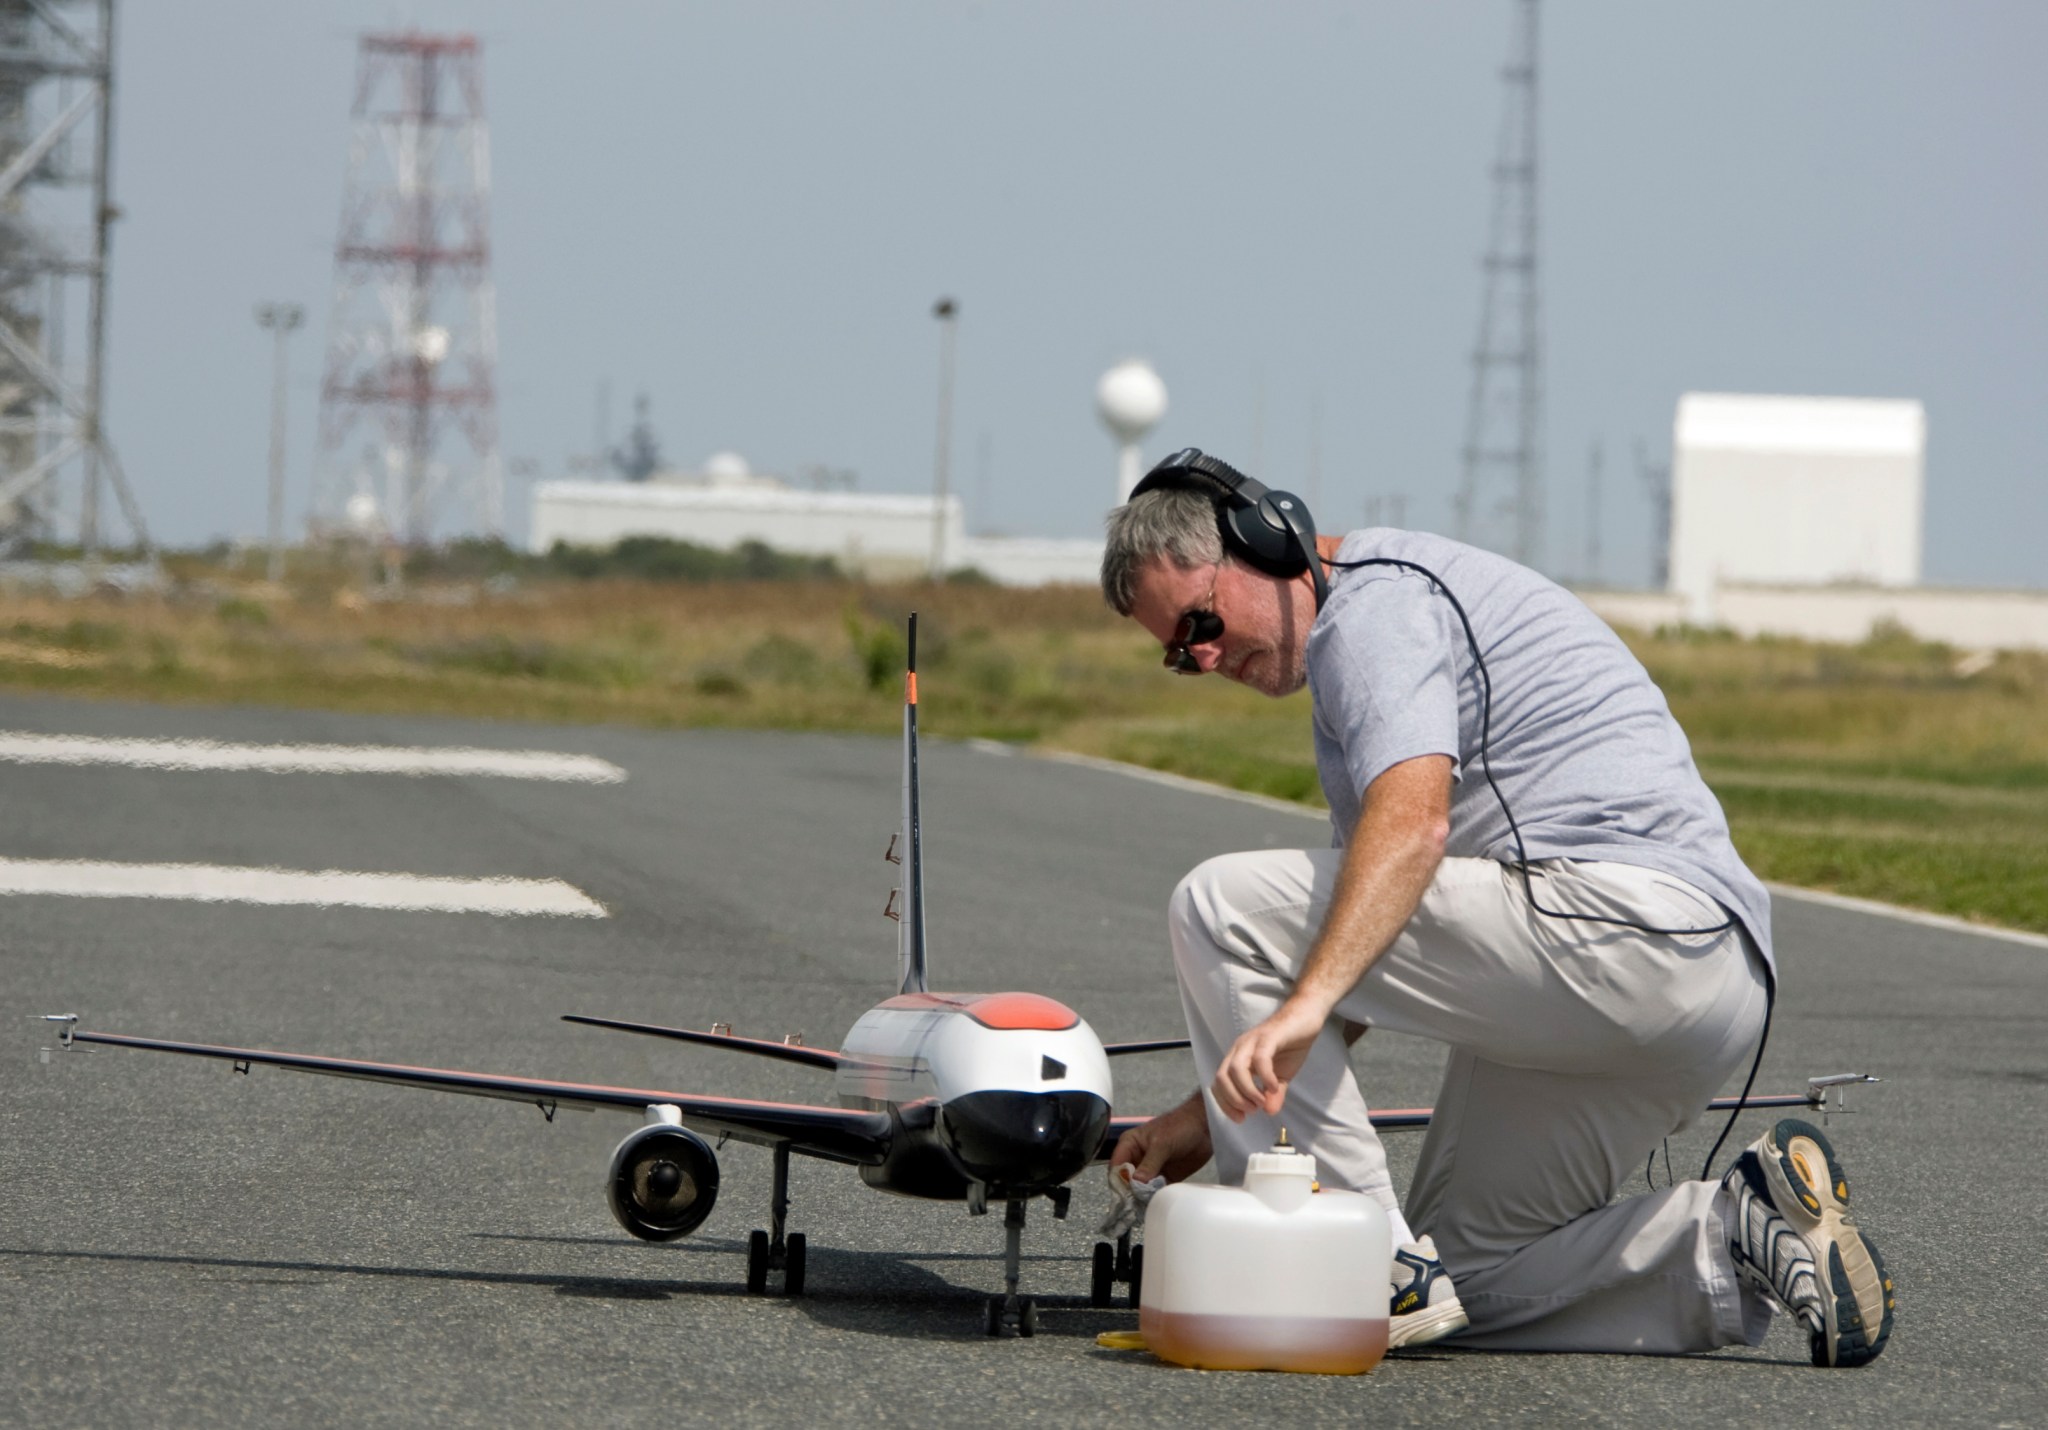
1425, 1306
1794, 1239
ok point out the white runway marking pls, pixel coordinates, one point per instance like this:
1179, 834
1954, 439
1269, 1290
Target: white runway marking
217, 884
20, 747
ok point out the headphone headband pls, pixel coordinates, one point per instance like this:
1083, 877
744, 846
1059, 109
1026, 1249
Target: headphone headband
1205, 469
1270, 530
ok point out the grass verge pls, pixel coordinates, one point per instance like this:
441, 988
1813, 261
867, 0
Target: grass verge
1889, 770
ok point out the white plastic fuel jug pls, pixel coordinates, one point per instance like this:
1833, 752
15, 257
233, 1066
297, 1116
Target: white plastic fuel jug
1274, 1275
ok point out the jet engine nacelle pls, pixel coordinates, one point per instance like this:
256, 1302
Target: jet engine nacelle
663, 1182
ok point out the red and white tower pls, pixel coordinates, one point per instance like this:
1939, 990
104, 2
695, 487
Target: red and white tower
408, 406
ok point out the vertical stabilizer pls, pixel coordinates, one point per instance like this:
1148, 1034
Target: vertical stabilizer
910, 894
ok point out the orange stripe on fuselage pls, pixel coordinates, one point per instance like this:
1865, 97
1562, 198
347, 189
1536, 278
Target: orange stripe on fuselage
1008, 1012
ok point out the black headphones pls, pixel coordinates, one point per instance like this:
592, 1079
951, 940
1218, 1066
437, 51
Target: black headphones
1270, 530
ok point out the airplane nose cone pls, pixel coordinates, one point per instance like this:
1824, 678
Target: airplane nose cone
1024, 1141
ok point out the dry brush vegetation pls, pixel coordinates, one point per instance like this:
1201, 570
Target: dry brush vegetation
1894, 769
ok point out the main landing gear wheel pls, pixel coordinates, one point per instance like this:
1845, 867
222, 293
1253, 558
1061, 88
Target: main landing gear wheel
768, 1252
1123, 1264
999, 1316
793, 1265
757, 1263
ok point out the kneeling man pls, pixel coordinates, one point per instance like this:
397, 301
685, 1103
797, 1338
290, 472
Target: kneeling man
1528, 868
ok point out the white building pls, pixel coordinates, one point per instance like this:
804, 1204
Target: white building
1801, 516
883, 536
1968, 618
1799, 491
880, 535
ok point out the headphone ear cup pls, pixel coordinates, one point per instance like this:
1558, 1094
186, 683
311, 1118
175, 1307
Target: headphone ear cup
1270, 533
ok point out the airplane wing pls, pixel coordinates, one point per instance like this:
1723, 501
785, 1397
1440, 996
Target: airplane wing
789, 1052
1386, 1120
1156, 1045
1412, 1119
836, 1134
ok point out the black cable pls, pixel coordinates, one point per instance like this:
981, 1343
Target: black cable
1770, 1001
1521, 864
1650, 1164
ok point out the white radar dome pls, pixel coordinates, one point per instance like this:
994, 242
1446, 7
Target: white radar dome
726, 469
1131, 399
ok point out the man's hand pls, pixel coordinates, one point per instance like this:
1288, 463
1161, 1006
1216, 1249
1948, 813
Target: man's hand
1174, 1143
1256, 1070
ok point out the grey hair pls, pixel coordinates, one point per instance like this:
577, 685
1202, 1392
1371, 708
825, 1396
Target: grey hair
1177, 523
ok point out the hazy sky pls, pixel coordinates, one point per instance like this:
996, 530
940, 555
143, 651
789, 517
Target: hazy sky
746, 210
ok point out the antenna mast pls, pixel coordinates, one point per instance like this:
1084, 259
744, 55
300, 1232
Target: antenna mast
56, 134
909, 907
1500, 497
412, 343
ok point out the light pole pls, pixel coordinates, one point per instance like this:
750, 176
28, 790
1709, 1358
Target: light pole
947, 312
279, 319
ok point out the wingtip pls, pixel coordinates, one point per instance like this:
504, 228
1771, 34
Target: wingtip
67, 1026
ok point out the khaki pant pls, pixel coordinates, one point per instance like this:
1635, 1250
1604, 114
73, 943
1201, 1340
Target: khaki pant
1575, 1048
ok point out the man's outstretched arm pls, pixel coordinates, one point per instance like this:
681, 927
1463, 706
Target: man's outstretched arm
1392, 855
1175, 1143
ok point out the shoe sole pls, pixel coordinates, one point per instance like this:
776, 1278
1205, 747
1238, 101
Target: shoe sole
1431, 1323
1811, 1192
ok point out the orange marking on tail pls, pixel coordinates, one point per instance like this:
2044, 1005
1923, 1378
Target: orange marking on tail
910, 687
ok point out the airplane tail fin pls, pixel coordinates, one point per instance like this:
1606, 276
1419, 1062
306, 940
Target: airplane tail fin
910, 893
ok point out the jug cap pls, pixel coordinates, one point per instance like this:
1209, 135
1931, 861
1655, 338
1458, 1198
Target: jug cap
1282, 1161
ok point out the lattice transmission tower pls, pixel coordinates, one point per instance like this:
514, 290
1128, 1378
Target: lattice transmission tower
408, 405
1499, 503
56, 210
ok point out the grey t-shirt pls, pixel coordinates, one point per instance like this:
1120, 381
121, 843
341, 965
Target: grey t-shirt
1582, 742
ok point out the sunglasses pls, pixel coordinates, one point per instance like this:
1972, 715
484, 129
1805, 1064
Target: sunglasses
1195, 628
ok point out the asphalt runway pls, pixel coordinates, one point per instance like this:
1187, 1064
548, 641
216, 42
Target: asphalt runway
182, 1245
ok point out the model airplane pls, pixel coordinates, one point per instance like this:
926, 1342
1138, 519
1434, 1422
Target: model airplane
979, 1098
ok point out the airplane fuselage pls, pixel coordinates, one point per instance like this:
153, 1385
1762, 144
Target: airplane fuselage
1010, 1091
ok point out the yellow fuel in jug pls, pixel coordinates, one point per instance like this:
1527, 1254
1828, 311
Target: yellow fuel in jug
1273, 1275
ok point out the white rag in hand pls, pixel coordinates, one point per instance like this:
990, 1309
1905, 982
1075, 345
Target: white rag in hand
1127, 1210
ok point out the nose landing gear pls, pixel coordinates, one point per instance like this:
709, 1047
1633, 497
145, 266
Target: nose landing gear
1010, 1312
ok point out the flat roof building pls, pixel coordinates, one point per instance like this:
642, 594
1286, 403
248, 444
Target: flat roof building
1805, 491
877, 535
873, 534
